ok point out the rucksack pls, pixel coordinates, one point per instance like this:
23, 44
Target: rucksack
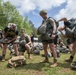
46, 29
72, 22
56, 23
71, 30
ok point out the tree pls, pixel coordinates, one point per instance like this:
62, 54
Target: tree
12, 14
26, 26
9, 14
34, 30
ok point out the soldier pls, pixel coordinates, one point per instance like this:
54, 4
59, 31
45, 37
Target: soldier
25, 42
70, 24
10, 35
50, 25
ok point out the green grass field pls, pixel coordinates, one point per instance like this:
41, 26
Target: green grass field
34, 67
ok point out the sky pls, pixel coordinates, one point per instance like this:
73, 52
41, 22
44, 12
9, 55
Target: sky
56, 9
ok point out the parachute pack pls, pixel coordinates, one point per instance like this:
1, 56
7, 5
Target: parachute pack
46, 26
46, 29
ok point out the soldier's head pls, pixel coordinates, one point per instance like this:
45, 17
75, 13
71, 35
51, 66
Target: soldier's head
22, 31
43, 14
12, 26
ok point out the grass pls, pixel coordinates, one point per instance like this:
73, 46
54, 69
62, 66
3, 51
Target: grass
34, 67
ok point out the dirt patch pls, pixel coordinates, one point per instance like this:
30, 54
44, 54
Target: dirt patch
64, 70
33, 72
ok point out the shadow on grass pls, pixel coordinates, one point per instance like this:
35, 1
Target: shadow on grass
64, 65
34, 66
40, 66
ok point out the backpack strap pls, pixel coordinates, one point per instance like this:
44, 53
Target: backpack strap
49, 26
57, 24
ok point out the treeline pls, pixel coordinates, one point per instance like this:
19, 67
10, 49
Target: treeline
9, 14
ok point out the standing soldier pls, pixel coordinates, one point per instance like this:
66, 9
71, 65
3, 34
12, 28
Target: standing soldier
50, 26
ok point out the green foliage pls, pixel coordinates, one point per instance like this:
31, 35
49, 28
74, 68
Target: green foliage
9, 14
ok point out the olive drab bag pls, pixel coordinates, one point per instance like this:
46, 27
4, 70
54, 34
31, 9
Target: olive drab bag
23, 40
46, 29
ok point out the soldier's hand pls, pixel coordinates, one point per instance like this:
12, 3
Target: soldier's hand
53, 36
60, 29
9, 41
